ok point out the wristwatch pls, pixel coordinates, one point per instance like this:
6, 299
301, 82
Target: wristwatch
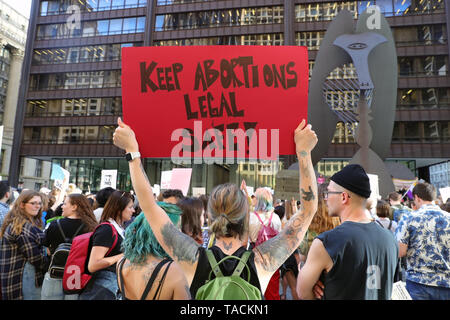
132, 155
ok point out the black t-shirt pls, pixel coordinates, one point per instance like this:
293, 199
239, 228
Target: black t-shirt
365, 257
104, 237
227, 267
53, 236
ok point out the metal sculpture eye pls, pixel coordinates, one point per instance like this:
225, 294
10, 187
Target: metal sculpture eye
357, 46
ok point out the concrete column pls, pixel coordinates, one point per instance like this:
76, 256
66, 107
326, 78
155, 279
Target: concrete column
12, 94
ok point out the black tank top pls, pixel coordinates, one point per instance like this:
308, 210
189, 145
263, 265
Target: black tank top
365, 257
227, 267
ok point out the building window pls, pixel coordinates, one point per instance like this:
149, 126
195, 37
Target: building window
70, 107
91, 28
38, 168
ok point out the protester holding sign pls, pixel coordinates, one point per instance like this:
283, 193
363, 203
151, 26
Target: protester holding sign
146, 272
229, 210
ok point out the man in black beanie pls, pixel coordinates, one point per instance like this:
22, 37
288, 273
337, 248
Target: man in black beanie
357, 259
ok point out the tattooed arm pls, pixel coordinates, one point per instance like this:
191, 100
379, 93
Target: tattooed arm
181, 248
270, 255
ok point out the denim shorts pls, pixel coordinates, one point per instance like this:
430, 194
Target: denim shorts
102, 286
419, 291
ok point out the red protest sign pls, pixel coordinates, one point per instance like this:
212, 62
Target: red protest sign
214, 102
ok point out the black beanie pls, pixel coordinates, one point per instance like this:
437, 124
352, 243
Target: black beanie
353, 178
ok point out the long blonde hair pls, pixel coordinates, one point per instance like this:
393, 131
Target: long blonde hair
17, 216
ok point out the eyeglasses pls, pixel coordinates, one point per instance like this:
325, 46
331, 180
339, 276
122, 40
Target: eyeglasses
326, 193
35, 203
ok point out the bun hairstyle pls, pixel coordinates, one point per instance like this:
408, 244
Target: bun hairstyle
229, 209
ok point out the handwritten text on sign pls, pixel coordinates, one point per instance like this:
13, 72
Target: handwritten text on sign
211, 103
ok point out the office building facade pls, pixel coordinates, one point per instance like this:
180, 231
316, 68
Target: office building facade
71, 85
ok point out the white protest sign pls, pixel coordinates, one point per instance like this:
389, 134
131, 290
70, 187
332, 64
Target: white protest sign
109, 179
374, 187
445, 193
196, 192
166, 177
156, 189
63, 183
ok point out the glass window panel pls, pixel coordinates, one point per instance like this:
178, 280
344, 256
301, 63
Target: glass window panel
159, 23
363, 5
140, 24
53, 7
90, 27
91, 5
118, 4
385, 7
131, 3
401, 7
102, 27
115, 26
129, 25
432, 131
104, 5
44, 8
94, 106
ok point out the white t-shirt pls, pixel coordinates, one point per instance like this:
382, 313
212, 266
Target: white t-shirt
255, 225
385, 222
98, 213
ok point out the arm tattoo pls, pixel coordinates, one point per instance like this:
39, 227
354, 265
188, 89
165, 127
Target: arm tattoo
308, 195
183, 247
303, 153
275, 251
145, 173
188, 291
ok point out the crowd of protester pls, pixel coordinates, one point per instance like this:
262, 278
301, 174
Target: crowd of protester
151, 247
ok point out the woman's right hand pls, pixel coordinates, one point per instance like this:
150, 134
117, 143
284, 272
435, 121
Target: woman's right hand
124, 137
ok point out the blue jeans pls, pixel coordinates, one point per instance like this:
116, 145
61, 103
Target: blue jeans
29, 289
52, 289
102, 286
419, 291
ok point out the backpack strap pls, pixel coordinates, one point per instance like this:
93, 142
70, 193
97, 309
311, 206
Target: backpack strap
237, 272
120, 267
152, 278
115, 235
242, 264
270, 219
259, 218
158, 292
78, 230
61, 230
378, 221
390, 225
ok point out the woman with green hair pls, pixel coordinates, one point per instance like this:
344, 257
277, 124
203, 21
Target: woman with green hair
145, 261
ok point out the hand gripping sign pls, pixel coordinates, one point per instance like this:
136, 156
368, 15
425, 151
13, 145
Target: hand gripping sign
215, 103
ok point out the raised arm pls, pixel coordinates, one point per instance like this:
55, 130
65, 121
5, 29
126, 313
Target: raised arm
270, 255
181, 248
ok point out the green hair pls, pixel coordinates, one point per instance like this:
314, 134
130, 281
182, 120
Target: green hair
140, 242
